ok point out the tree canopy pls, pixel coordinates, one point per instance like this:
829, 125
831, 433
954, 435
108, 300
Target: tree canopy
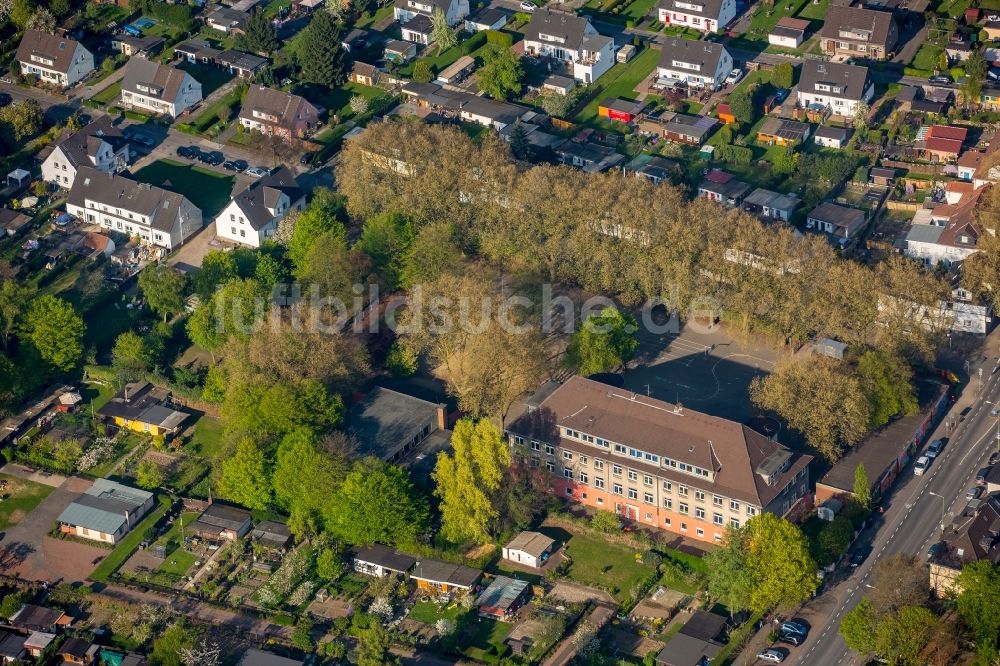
501, 73
323, 59
56, 331
605, 342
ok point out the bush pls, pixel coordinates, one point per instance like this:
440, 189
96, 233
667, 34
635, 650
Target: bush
605, 521
498, 38
474, 42
735, 154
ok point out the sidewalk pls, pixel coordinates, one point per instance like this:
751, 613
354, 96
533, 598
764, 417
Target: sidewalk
89, 91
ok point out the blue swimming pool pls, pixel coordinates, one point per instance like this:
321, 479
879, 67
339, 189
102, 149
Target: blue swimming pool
143, 23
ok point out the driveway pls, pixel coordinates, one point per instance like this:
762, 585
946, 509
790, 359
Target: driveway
27, 551
28, 474
189, 256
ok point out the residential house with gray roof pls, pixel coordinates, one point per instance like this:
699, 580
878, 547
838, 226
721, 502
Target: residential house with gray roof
833, 87
445, 577
54, 59
857, 32
389, 424
277, 113
155, 215
571, 40
161, 89
253, 214
105, 512
701, 15
840, 222
697, 63
100, 145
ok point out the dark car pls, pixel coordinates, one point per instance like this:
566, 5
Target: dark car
791, 639
981, 477
215, 158
307, 158
934, 550
141, 139
191, 152
860, 556
83, 119
235, 165
994, 458
5, 99
940, 79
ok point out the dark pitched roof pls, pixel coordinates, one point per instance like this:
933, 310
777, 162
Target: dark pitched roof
255, 657
857, 24
12, 221
783, 128
387, 419
829, 132
31, 616
487, 16
845, 81
738, 455
272, 532
385, 557
437, 571
12, 646
240, 60
420, 23
258, 200
840, 216
705, 55
144, 43
224, 517
80, 146
977, 536
160, 81
568, 27
704, 626
704, 8
141, 401
58, 50
75, 647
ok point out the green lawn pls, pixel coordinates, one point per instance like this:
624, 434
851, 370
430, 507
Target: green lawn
23, 497
927, 57
207, 441
129, 544
99, 393
110, 94
764, 18
482, 639
814, 10
595, 561
210, 78
338, 100
178, 563
430, 612
638, 9
620, 81
368, 20
272, 9
208, 190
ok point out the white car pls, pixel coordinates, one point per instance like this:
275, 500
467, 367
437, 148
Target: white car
527, 6
773, 655
256, 172
919, 467
734, 76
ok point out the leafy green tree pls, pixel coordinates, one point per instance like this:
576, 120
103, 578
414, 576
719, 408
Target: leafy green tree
321, 56
302, 634
468, 481
269, 412
605, 521
21, 120
442, 35
14, 299
979, 583
501, 74
56, 331
245, 478
148, 475
781, 568
322, 216
21, 11
171, 644
422, 72
858, 628
402, 360
783, 75
373, 647
259, 36
887, 382
519, 145
270, 270
604, 343
130, 356
862, 487
386, 239
217, 267
163, 286
742, 107
12, 603
377, 503
432, 254
834, 539
971, 88
204, 331
330, 563
902, 638
729, 581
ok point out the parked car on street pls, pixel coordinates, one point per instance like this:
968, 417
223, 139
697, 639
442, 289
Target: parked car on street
141, 139
734, 76
238, 166
256, 172
934, 449
974, 493
940, 79
772, 655
527, 6
981, 477
190, 152
919, 467
307, 158
994, 458
791, 639
5, 99
934, 550
214, 158
859, 556
795, 627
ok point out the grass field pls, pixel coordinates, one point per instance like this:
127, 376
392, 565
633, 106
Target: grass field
208, 190
596, 561
128, 545
638, 9
429, 612
338, 100
207, 441
22, 497
927, 57
761, 22
110, 94
620, 81
814, 11
484, 639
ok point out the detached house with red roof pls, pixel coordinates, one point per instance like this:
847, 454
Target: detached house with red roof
949, 233
658, 464
943, 143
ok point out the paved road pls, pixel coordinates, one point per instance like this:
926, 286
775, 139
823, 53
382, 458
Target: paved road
57, 109
914, 518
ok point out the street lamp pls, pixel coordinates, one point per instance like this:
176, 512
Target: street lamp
940, 497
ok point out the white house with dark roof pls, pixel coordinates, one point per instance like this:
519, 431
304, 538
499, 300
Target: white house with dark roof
841, 222
835, 87
254, 213
453, 10
702, 15
53, 59
153, 214
275, 112
100, 145
105, 512
572, 40
161, 89
697, 63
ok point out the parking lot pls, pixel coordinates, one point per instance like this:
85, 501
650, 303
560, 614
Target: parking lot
706, 371
27, 551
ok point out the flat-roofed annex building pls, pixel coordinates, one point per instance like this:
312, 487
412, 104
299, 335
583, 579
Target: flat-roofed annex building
655, 463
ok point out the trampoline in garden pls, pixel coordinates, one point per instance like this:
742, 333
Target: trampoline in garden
143, 23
